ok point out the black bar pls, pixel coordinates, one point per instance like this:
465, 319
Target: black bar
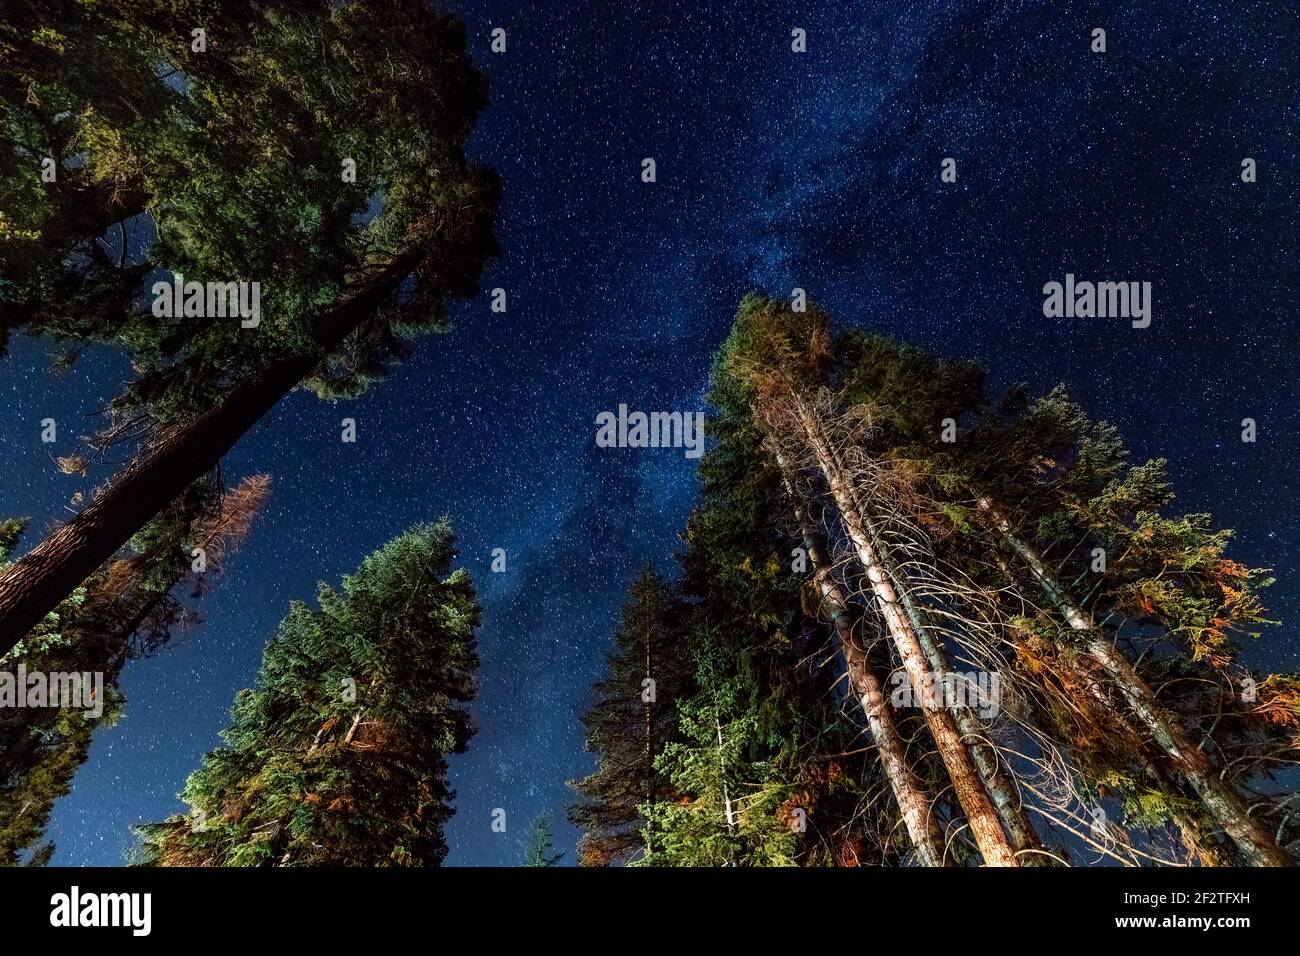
438, 906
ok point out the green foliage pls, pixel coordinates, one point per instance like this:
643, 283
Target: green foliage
237, 154
629, 723
11, 529
337, 756
124, 611
910, 391
731, 815
541, 850
756, 735
763, 729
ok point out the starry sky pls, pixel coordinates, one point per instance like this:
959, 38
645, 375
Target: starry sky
775, 170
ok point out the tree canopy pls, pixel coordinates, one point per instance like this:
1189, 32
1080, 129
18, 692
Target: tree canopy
338, 755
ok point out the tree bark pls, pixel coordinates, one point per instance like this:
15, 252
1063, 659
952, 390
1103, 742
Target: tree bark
981, 815
1221, 800
33, 586
914, 804
1000, 785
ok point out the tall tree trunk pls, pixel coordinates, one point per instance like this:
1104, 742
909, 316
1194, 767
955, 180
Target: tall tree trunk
1090, 697
1221, 800
981, 815
914, 804
33, 586
999, 783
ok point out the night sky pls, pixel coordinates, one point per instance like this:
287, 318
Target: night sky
775, 170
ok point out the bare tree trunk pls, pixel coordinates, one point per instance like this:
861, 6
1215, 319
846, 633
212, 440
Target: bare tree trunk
356, 722
981, 815
722, 770
1221, 800
1000, 785
33, 586
914, 804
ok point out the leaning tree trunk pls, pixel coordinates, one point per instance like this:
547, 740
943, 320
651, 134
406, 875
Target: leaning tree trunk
1210, 849
1220, 798
981, 815
999, 783
33, 586
914, 804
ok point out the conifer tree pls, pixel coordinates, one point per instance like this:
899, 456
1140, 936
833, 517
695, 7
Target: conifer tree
338, 756
770, 763
126, 611
784, 373
628, 726
943, 534
541, 850
1162, 587
915, 804
733, 815
866, 429
242, 154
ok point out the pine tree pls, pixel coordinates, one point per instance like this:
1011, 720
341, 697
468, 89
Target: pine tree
239, 155
910, 794
540, 850
338, 755
785, 376
770, 764
1160, 587
731, 814
865, 429
1111, 623
126, 611
628, 726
